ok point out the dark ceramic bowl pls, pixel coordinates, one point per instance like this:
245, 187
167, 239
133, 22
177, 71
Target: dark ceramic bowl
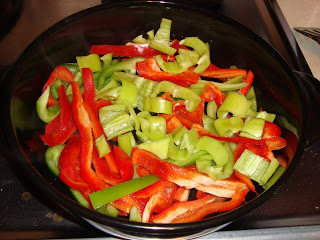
277, 87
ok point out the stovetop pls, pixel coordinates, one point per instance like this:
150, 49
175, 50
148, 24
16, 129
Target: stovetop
292, 213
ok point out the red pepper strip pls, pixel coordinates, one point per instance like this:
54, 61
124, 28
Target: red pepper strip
62, 127
172, 122
183, 177
200, 194
282, 161
102, 170
142, 171
273, 143
248, 80
51, 101
211, 92
84, 126
175, 44
152, 189
126, 203
69, 165
102, 103
149, 69
178, 208
182, 194
88, 85
159, 201
223, 73
97, 132
167, 197
62, 73
182, 115
124, 164
135, 50
292, 143
271, 130
262, 151
196, 214
181, 112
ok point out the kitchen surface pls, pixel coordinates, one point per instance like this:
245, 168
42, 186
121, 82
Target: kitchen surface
294, 210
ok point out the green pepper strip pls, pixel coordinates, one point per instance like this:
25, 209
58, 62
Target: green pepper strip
202, 49
235, 103
127, 65
157, 105
118, 191
44, 113
192, 100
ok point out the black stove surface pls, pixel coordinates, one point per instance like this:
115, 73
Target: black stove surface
26, 214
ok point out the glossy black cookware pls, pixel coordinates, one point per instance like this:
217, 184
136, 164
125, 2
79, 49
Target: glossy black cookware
279, 90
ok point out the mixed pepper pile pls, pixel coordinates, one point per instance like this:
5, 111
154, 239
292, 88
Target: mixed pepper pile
154, 131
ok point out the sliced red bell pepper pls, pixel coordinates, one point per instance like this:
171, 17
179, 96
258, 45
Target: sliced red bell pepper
103, 171
196, 214
273, 143
97, 132
88, 85
182, 194
142, 171
214, 72
249, 80
172, 122
102, 103
292, 143
176, 44
179, 208
167, 197
62, 73
126, 203
271, 130
181, 112
124, 164
262, 151
152, 189
83, 123
69, 164
134, 50
182, 176
211, 92
62, 127
149, 69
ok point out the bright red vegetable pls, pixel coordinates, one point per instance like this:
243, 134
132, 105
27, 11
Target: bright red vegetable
134, 50
62, 127
69, 165
249, 80
83, 123
149, 69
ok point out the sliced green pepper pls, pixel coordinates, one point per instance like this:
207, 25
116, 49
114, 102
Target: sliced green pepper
226, 127
127, 66
91, 61
235, 103
215, 149
120, 190
44, 113
202, 49
52, 158
157, 105
176, 91
253, 128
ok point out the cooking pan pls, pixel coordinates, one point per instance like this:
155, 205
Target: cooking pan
279, 90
